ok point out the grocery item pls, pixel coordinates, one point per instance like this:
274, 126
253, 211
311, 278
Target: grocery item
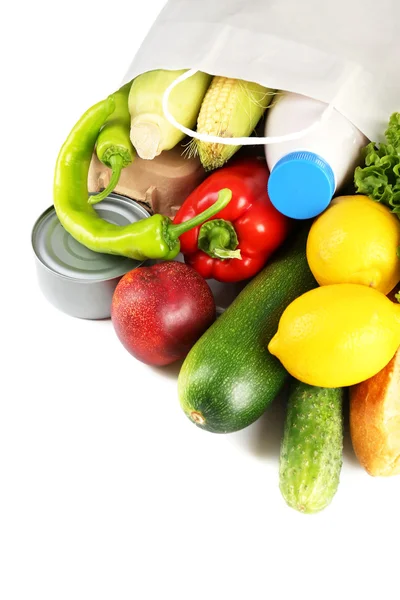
150, 132
229, 378
337, 335
355, 241
238, 241
375, 420
243, 41
159, 312
113, 147
231, 108
74, 279
161, 184
306, 172
155, 237
379, 177
311, 451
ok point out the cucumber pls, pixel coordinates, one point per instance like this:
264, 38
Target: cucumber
229, 378
312, 445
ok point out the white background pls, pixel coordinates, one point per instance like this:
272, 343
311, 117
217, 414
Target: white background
107, 491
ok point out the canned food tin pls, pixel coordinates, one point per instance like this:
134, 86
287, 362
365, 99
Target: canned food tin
73, 278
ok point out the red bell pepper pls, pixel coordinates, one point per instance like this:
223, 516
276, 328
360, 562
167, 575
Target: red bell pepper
237, 242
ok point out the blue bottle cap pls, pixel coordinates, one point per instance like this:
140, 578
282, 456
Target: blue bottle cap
301, 185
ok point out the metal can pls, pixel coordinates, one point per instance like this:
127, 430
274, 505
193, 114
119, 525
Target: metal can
73, 278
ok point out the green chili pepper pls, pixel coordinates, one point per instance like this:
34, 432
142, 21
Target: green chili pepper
114, 147
155, 237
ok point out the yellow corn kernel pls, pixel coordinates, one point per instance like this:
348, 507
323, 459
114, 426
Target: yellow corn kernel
231, 108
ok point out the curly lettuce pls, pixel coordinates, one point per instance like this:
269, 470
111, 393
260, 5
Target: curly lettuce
380, 178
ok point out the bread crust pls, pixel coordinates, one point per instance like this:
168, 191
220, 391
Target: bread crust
375, 420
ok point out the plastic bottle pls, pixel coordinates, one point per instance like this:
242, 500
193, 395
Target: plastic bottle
305, 173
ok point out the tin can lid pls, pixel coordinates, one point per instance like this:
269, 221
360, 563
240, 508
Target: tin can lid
63, 255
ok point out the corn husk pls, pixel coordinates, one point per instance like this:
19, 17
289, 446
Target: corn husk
151, 133
231, 108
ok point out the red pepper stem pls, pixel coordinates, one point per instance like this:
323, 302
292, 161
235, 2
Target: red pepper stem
224, 253
218, 239
176, 230
117, 164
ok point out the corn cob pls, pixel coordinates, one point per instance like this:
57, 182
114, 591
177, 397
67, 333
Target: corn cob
151, 132
231, 108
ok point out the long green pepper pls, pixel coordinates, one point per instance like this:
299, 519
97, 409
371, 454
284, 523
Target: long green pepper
114, 147
155, 237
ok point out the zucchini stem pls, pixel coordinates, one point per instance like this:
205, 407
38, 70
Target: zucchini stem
197, 417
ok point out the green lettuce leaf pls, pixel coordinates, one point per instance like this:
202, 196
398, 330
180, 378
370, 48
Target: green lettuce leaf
380, 177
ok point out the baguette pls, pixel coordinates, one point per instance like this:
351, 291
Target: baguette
375, 421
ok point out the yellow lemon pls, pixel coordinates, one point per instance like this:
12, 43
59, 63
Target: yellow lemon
337, 335
355, 241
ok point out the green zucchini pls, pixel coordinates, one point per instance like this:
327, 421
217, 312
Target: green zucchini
312, 445
229, 378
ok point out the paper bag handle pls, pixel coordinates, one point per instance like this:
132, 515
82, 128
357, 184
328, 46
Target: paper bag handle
236, 141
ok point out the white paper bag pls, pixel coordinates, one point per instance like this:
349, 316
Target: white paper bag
345, 52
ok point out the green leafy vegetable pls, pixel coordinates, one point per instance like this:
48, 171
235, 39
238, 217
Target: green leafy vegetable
380, 178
